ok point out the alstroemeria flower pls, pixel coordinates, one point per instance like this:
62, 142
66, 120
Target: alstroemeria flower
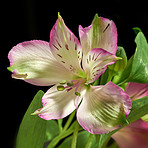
137, 90
135, 135
99, 108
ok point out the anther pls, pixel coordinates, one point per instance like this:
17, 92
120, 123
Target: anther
60, 88
77, 94
70, 84
63, 82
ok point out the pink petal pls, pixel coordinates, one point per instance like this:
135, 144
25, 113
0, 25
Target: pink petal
66, 47
137, 90
96, 63
57, 104
107, 36
102, 108
33, 62
135, 135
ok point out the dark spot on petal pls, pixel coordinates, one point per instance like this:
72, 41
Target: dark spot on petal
87, 61
55, 46
106, 28
75, 46
63, 61
89, 57
58, 44
66, 46
59, 55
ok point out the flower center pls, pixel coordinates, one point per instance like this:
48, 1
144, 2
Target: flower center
74, 84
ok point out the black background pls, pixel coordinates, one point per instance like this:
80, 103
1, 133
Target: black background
26, 20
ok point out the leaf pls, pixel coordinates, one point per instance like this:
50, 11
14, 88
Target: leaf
81, 140
52, 130
119, 65
137, 30
123, 76
104, 77
139, 71
137, 67
139, 109
32, 130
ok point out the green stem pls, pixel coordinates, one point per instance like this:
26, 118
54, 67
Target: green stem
57, 139
62, 135
75, 134
110, 75
69, 121
90, 141
60, 121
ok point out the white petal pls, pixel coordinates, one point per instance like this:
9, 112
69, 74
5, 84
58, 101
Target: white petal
33, 62
66, 47
96, 63
57, 104
102, 108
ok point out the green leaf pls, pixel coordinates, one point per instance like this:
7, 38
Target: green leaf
81, 140
119, 65
122, 77
139, 109
139, 71
137, 67
52, 130
137, 30
32, 130
104, 77
145, 118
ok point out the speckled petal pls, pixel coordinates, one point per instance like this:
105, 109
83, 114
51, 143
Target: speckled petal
96, 63
102, 108
57, 104
33, 62
66, 47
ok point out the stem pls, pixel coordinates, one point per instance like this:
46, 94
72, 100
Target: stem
60, 121
90, 141
56, 140
110, 75
69, 121
62, 135
75, 134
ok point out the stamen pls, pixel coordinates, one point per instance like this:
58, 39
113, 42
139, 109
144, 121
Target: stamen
63, 82
77, 94
60, 88
70, 84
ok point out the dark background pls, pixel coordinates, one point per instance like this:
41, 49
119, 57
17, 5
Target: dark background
26, 20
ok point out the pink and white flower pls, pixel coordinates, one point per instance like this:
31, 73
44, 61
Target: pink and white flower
135, 135
72, 67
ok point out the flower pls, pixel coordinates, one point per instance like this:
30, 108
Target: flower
135, 135
100, 109
136, 90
